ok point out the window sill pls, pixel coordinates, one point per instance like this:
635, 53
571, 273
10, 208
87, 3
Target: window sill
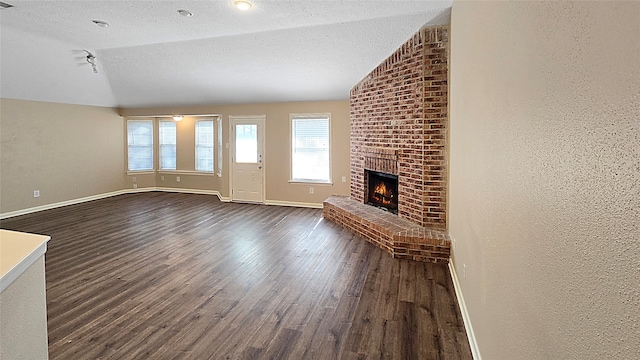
186, 172
141, 172
315, 182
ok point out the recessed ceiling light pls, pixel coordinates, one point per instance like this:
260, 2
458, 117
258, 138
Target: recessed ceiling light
242, 5
185, 13
100, 23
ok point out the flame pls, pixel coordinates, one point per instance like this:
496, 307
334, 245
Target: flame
382, 194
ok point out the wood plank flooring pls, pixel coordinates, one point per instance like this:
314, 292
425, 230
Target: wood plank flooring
181, 276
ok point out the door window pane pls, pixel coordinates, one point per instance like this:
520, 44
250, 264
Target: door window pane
247, 143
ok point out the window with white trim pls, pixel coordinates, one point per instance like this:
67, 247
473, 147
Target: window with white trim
219, 146
310, 151
204, 145
167, 145
139, 145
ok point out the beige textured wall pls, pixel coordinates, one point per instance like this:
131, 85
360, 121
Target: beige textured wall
23, 310
73, 151
65, 151
277, 150
545, 176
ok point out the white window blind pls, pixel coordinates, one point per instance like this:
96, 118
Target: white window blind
204, 145
310, 160
140, 145
167, 145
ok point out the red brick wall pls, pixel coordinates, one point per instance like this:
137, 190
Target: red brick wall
402, 106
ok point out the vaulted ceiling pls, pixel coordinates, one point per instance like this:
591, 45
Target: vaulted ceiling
150, 55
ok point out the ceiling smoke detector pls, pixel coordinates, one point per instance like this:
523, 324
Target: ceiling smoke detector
185, 13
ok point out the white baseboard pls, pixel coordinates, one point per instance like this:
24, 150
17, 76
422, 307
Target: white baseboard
294, 204
475, 352
188, 191
67, 202
194, 191
106, 195
139, 190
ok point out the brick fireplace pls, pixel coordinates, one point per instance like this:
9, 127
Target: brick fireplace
399, 126
399, 123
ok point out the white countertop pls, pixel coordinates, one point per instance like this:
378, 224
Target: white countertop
18, 251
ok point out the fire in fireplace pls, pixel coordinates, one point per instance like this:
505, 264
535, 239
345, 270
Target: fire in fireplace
382, 190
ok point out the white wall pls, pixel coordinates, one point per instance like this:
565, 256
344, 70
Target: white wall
545, 176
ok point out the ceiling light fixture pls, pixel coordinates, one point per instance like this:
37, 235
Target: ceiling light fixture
185, 13
100, 23
177, 117
242, 5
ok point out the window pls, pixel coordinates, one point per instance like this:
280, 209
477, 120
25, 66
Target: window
247, 143
167, 145
140, 145
219, 147
204, 145
310, 160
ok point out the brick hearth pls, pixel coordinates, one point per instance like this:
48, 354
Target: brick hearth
402, 238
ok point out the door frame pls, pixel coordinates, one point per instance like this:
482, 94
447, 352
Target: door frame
261, 120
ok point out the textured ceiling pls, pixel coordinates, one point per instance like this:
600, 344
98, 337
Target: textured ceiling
152, 56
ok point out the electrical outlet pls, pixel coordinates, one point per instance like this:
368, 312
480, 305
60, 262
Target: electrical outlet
36, 193
134, 179
178, 178
162, 178
135, 186
310, 190
344, 179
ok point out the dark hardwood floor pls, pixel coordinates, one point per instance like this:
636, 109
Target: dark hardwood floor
180, 276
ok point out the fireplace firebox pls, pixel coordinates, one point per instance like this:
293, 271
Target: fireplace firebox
382, 190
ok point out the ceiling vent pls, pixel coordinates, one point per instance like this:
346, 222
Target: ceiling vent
4, 5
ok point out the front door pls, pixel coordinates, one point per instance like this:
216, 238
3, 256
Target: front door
247, 165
